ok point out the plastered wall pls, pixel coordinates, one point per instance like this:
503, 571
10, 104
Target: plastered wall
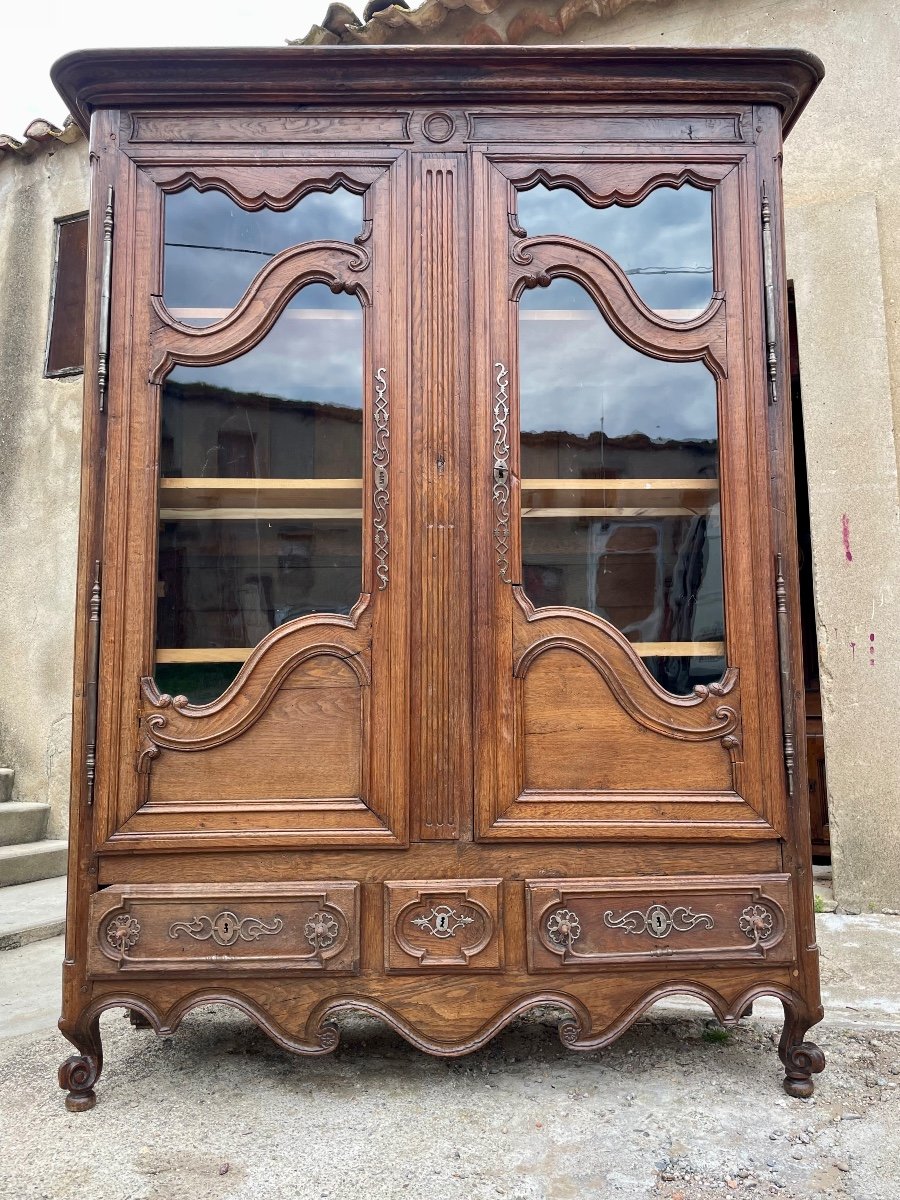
40, 446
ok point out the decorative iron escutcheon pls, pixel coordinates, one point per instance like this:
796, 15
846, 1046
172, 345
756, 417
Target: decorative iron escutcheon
563, 927
226, 928
658, 920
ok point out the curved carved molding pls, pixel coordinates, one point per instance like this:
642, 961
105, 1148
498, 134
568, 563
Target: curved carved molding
695, 718
321, 1034
344, 268
591, 182
549, 258
176, 724
253, 188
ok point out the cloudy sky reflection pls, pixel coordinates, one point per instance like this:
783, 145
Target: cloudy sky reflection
313, 352
241, 241
580, 377
664, 243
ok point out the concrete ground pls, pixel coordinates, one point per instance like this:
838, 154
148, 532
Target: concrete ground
677, 1109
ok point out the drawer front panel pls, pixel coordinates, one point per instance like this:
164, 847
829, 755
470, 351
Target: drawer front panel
265, 928
591, 922
456, 924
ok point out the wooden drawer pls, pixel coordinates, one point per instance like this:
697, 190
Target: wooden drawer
592, 922
267, 928
443, 923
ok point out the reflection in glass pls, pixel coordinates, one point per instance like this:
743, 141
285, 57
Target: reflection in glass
619, 485
214, 248
663, 243
261, 492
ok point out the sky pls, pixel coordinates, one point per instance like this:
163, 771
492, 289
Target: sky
35, 37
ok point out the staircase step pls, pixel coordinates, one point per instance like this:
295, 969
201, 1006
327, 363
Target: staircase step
31, 912
22, 822
32, 860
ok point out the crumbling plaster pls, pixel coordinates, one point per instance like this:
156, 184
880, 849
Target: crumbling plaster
40, 439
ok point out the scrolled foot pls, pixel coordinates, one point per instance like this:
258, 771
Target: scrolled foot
78, 1074
801, 1062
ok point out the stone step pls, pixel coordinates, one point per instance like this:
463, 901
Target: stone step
31, 912
21, 822
32, 860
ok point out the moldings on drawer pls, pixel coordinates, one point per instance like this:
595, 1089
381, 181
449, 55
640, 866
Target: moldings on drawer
592, 922
443, 923
266, 928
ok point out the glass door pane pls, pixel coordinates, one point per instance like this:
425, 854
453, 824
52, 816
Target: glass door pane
260, 492
619, 486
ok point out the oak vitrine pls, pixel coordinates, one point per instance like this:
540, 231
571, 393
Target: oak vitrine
437, 645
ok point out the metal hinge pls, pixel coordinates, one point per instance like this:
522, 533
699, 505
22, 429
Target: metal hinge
769, 280
93, 671
105, 292
787, 698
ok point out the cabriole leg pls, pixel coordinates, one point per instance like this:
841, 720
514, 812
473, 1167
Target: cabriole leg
78, 1074
801, 1059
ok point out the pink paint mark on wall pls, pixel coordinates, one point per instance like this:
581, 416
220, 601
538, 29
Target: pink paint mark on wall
845, 535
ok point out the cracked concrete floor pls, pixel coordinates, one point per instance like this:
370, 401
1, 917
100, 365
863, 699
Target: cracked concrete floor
675, 1109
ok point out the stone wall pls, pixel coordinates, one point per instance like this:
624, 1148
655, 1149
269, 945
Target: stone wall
40, 446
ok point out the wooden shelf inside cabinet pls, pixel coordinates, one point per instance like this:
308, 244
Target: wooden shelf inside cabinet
621, 485
239, 654
671, 497
260, 499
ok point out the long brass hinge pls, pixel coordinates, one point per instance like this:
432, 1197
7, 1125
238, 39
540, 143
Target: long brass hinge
769, 280
93, 671
105, 292
784, 659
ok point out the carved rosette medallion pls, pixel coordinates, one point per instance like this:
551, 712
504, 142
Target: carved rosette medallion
122, 932
321, 930
501, 471
563, 927
757, 922
381, 459
226, 928
659, 921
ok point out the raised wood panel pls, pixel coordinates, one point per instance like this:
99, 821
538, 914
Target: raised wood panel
307, 743
592, 922
564, 127
443, 924
309, 127
577, 737
271, 927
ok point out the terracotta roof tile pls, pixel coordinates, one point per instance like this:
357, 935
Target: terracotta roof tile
39, 135
472, 22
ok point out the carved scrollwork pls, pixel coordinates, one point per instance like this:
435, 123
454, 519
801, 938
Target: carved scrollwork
658, 920
225, 928
501, 492
381, 459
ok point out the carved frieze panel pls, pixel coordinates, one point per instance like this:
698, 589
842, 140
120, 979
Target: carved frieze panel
585, 922
443, 923
235, 929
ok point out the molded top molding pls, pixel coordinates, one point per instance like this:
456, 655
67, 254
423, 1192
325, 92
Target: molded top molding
320, 75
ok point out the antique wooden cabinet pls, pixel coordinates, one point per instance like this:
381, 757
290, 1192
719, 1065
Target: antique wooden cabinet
437, 645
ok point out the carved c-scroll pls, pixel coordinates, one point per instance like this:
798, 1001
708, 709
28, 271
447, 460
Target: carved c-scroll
342, 267
550, 258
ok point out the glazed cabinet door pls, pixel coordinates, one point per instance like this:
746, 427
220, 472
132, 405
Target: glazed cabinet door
254, 561
626, 681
